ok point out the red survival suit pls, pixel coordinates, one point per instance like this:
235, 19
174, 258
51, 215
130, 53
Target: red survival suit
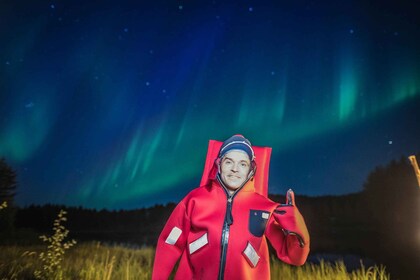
222, 236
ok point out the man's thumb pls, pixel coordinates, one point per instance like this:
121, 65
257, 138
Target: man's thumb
290, 197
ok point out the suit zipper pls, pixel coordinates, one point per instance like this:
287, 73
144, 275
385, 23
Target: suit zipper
225, 239
226, 225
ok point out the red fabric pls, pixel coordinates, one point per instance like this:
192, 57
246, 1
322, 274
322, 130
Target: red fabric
202, 214
262, 159
293, 222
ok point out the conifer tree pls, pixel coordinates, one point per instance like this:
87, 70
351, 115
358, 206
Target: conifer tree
8, 186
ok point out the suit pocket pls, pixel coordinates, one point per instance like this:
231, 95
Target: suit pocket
257, 221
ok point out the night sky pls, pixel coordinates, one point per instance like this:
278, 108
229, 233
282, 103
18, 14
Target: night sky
111, 104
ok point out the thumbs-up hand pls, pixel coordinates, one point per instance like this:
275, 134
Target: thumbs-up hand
287, 215
290, 198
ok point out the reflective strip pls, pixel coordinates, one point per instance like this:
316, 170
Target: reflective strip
173, 236
265, 215
200, 242
251, 254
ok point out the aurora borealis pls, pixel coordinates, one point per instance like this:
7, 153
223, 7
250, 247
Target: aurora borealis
112, 105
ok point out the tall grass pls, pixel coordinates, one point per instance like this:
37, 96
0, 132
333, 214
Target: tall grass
94, 261
326, 271
89, 261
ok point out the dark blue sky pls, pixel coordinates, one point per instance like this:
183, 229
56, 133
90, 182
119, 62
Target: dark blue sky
111, 104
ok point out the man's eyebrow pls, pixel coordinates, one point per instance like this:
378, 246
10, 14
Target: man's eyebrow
242, 160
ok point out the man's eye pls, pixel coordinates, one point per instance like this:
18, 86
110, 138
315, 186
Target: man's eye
244, 164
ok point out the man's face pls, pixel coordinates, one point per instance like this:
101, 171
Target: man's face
234, 169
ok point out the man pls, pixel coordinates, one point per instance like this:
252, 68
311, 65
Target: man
219, 230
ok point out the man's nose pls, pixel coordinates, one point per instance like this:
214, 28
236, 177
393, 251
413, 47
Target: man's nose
235, 167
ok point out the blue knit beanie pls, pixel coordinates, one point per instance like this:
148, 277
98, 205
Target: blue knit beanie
237, 142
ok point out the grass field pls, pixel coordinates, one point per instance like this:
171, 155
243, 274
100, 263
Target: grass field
61, 259
97, 261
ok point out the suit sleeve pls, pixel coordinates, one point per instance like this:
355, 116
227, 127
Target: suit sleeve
287, 233
171, 242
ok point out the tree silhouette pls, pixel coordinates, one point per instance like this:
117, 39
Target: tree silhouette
8, 183
8, 186
392, 196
